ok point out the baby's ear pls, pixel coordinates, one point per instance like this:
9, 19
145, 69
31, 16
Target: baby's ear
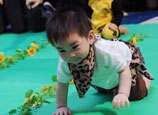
91, 36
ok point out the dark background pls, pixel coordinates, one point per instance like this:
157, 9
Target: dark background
139, 5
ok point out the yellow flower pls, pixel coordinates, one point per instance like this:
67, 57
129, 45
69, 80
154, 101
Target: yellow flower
10, 58
35, 46
31, 51
2, 58
42, 89
46, 87
51, 86
26, 100
71, 81
134, 41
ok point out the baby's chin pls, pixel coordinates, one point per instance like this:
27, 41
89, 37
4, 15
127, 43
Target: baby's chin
76, 61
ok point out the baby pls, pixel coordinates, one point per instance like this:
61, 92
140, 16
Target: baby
109, 66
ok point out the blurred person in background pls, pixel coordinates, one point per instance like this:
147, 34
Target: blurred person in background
11, 12
20, 18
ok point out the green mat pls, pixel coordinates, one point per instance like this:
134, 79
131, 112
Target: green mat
36, 71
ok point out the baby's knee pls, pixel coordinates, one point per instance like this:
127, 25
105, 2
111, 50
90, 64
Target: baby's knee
140, 90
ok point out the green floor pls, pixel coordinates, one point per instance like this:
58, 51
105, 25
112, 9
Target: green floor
36, 71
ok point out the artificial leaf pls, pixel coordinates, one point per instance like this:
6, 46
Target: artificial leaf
54, 78
28, 93
12, 111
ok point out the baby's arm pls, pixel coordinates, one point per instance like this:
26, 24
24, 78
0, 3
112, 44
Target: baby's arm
61, 99
34, 4
1, 2
124, 89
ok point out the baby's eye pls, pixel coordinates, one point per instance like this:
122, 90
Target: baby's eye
62, 51
75, 47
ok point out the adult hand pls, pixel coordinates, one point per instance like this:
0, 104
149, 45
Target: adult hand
113, 27
34, 4
120, 99
1, 2
62, 111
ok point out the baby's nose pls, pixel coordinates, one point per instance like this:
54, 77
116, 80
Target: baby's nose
72, 54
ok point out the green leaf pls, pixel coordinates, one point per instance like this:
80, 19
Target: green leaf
146, 36
36, 94
12, 111
129, 40
16, 57
22, 107
28, 93
8, 64
2, 66
54, 78
25, 53
28, 47
132, 35
27, 113
33, 100
42, 45
37, 50
39, 99
46, 92
46, 101
27, 109
48, 43
18, 51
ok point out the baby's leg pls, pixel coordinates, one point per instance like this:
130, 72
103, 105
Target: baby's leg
123, 30
147, 82
140, 90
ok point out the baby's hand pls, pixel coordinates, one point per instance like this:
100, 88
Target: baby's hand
62, 111
33, 3
1, 2
113, 27
120, 99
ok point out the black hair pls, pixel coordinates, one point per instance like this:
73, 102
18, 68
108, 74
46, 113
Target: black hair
65, 22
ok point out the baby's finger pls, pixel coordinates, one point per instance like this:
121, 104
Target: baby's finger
35, 4
118, 104
114, 103
60, 113
127, 102
54, 113
113, 27
28, 3
69, 111
65, 113
123, 104
1, 2
41, 1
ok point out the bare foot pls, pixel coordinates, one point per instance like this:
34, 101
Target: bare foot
123, 30
147, 82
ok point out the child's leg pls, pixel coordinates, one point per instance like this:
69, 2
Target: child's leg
140, 90
123, 30
147, 82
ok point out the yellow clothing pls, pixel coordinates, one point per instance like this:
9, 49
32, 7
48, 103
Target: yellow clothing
102, 15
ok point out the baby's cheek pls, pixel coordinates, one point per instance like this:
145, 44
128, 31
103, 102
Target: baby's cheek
84, 53
63, 57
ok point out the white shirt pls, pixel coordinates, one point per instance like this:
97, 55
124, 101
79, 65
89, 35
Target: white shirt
110, 58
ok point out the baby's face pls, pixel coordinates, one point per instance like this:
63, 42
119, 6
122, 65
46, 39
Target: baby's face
74, 49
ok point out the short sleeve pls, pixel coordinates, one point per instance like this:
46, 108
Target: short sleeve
63, 72
116, 62
112, 54
119, 56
